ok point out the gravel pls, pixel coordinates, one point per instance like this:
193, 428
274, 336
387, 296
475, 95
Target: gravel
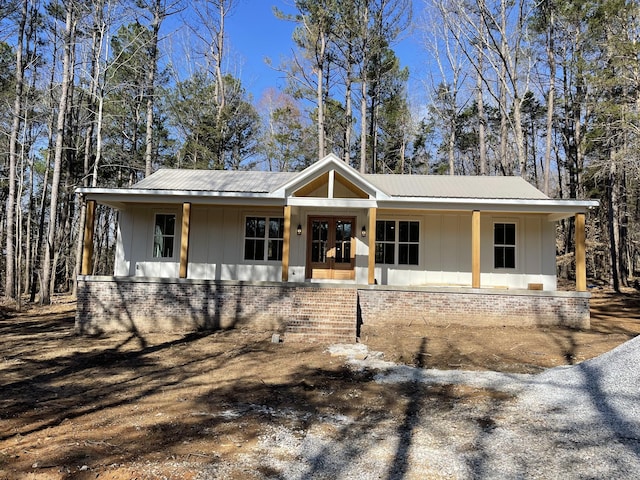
577, 422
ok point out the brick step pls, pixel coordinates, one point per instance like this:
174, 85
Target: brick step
293, 337
320, 331
321, 323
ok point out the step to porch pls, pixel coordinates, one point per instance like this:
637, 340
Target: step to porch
323, 315
321, 331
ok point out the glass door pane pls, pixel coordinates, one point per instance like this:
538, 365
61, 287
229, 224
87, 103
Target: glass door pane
343, 241
319, 237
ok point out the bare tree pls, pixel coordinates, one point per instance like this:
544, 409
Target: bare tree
10, 280
50, 248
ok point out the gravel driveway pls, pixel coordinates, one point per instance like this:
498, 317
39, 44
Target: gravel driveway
573, 422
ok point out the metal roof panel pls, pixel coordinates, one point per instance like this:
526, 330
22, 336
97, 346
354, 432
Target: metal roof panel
452, 186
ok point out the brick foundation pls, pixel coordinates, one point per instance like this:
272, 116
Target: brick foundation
312, 312
392, 306
307, 312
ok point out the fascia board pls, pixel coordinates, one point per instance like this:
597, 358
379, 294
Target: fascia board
331, 202
115, 196
561, 207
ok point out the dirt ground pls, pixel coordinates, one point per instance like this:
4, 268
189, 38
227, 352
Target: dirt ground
167, 406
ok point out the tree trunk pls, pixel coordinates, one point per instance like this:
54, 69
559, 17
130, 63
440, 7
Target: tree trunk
612, 215
363, 126
50, 247
10, 279
551, 94
150, 90
320, 96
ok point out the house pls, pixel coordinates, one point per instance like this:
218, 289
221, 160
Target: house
317, 253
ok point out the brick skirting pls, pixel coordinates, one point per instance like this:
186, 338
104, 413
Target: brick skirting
310, 312
318, 311
474, 307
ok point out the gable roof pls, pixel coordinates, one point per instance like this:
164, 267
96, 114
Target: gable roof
441, 192
214, 180
451, 186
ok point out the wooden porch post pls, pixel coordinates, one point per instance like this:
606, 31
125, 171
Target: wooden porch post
372, 246
475, 249
286, 242
184, 241
87, 247
581, 264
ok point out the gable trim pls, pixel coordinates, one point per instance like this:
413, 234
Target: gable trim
329, 163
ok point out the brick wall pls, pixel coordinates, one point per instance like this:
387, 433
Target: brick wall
108, 304
312, 312
386, 307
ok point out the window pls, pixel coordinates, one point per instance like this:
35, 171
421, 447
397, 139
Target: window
504, 245
385, 241
408, 243
399, 240
164, 235
263, 238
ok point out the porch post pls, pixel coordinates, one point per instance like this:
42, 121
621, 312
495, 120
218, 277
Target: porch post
581, 264
286, 241
372, 246
184, 241
87, 247
475, 249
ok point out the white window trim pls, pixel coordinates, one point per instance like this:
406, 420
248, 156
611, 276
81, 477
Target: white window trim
176, 235
503, 221
266, 238
397, 242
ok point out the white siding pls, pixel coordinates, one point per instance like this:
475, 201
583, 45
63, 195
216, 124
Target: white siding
217, 247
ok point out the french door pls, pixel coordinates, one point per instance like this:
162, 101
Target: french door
331, 248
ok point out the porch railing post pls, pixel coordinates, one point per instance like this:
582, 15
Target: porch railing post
184, 240
581, 264
475, 249
87, 246
286, 242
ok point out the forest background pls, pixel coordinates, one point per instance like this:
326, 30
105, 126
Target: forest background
104, 92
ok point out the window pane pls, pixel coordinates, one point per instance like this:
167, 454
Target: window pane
260, 227
509, 257
163, 235
168, 247
509, 234
388, 254
249, 249
498, 234
379, 253
414, 232
274, 250
390, 231
379, 231
498, 257
408, 254
413, 254
276, 228
403, 254
250, 227
259, 250
346, 252
403, 231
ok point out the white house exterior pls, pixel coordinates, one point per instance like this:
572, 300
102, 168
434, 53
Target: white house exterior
330, 227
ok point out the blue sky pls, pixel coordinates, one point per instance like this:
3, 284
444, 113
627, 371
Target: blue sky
255, 33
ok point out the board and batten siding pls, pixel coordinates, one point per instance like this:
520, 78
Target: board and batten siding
217, 247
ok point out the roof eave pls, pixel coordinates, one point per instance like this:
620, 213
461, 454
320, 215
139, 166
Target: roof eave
117, 197
558, 208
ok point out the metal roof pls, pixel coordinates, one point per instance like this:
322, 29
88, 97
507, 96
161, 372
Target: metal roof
425, 186
439, 192
214, 181
450, 186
